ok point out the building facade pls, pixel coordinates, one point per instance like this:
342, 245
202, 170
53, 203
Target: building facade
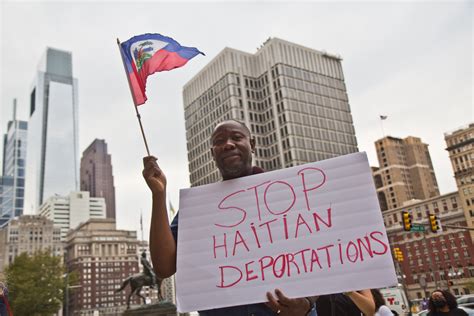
405, 173
12, 181
96, 174
28, 234
102, 257
292, 98
461, 152
67, 212
6, 199
53, 157
444, 259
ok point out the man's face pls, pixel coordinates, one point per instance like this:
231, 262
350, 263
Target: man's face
437, 296
232, 150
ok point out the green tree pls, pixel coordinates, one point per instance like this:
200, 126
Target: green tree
36, 284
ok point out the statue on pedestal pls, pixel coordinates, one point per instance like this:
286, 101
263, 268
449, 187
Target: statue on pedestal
137, 281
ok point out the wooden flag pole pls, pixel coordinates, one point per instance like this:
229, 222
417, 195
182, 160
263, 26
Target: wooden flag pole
133, 97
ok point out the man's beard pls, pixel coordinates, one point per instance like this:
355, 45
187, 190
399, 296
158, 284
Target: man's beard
231, 172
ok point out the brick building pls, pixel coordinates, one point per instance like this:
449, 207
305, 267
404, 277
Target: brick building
102, 257
444, 259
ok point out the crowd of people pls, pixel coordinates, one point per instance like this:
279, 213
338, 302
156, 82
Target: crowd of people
231, 148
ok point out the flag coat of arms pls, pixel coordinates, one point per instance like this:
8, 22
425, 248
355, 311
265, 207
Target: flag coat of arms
145, 54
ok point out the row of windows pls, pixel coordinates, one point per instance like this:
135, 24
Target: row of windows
304, 86
307, 75
460, 139
199, 156
468, 179
200, 103
341, 113
463, 162
255, 83
421, 211
198, 135
439, 258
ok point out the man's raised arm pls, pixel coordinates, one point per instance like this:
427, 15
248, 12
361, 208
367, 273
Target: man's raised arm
162, 243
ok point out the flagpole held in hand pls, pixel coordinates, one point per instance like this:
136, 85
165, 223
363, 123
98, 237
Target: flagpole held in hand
133, 97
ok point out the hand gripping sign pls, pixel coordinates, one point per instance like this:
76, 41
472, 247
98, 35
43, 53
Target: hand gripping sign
309, 230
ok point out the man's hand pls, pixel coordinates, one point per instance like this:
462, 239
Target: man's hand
154, 177
285, 306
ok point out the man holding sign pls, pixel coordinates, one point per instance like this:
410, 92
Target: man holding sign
309, 229
232, 148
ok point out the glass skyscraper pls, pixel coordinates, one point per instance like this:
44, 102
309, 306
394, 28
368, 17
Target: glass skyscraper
53, 160
12, 181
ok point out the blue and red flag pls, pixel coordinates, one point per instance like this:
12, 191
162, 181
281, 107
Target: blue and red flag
145, 54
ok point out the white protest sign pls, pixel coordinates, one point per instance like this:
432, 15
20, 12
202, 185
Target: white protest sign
307, 230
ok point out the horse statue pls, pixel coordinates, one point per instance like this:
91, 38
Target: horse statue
137, 281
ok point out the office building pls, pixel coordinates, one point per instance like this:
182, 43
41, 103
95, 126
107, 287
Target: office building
28, 234
53, 157
102, 257
461, 152
67, 212
293, 99
96, 174
405, 173
12, 181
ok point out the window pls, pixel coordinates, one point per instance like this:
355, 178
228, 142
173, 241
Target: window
454, 202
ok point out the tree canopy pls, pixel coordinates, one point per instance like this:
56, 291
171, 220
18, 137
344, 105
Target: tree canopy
36, 284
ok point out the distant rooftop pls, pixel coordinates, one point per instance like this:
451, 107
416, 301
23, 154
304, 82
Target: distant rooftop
56, 61
470, 125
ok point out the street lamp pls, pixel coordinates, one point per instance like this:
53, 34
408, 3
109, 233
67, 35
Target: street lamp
401, 278
453, 274
66, 305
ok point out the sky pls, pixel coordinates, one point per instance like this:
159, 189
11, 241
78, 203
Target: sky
410, 61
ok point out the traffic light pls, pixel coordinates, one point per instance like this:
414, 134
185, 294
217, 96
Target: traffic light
406, 221
434, 223
398, 254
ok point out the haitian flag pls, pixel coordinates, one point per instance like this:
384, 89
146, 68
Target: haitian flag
145, 54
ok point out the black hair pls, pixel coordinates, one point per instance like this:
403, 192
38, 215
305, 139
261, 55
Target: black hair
450, 300
378, 298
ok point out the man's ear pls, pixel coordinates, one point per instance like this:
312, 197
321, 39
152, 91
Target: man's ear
212, 154
252, 143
